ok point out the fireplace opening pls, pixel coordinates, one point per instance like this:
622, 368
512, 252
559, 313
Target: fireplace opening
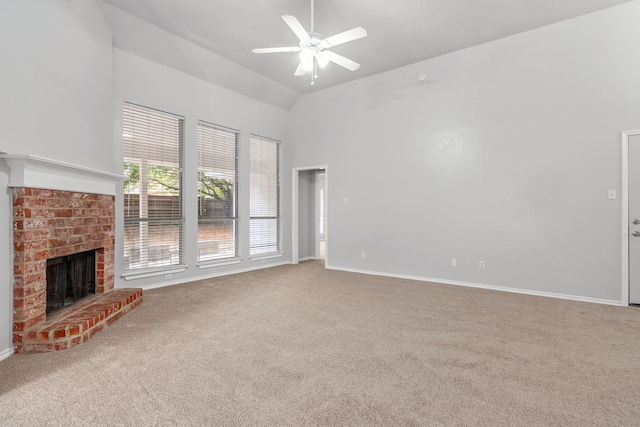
69, 279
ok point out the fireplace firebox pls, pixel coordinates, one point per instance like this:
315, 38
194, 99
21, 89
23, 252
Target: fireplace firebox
69, 279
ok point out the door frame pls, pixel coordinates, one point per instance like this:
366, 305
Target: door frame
624, 137
295, 255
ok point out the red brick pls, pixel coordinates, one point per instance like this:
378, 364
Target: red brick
62, 232
40, 192
61, 345
41, 255
34, 288
40, 213
39, 348
30, 301
34, 202
36, 277
96, 329
58, 242
36, 223
32, 267
63, 213
36, 245
41, 234
18, 292
28, 314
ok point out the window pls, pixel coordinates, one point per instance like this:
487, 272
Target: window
152, 146
265, 196
217, 192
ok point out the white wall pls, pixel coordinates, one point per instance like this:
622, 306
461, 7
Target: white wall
146, 83
56, 92
504, 154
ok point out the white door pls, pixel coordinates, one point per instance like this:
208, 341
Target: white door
634, 219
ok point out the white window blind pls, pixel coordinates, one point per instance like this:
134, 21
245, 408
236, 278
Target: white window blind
152, 148
265, 196
217, 192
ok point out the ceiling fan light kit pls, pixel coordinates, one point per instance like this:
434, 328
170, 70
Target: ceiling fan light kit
314, 50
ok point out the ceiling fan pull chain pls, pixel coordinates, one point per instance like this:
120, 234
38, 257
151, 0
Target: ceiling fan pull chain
313, 72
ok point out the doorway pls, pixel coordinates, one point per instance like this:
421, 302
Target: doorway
309, 214
630, 217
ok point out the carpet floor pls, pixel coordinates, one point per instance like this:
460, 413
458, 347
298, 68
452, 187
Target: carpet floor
301, 345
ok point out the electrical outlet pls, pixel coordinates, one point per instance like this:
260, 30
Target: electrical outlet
363, 255
481, 265
454, 262
168, 276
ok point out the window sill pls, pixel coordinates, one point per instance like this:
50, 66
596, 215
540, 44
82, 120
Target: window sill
133, 275
266, 256
220, 263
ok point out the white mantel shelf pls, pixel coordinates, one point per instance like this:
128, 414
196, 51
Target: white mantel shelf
30, 171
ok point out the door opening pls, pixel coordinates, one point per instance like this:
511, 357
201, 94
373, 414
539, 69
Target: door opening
309, 214
630, 217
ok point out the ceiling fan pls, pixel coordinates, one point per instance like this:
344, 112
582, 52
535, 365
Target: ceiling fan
314, 50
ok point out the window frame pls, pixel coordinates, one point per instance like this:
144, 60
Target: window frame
178, 220
235, 258
277, 252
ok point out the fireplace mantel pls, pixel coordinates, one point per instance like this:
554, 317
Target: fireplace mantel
26, 170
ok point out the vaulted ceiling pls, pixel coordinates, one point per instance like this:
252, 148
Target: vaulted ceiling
400, 32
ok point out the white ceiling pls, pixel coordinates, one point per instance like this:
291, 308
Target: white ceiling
400, 32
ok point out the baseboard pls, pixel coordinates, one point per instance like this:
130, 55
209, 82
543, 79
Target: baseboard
210, 276
6, 353
482, 286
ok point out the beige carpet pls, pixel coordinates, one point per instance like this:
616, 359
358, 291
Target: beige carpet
300, 345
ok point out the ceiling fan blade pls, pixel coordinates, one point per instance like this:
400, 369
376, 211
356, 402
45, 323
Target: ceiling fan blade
300, 71
297, 28
347, 36
276, 49
341, 60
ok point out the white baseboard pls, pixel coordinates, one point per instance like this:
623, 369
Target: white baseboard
6, 353
210, 276
481, 286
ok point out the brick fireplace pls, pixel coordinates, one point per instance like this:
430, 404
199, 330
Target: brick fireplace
51, 220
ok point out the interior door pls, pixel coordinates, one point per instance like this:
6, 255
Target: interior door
634, 219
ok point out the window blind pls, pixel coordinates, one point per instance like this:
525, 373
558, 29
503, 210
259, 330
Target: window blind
152, 156
217, 192
264, 196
